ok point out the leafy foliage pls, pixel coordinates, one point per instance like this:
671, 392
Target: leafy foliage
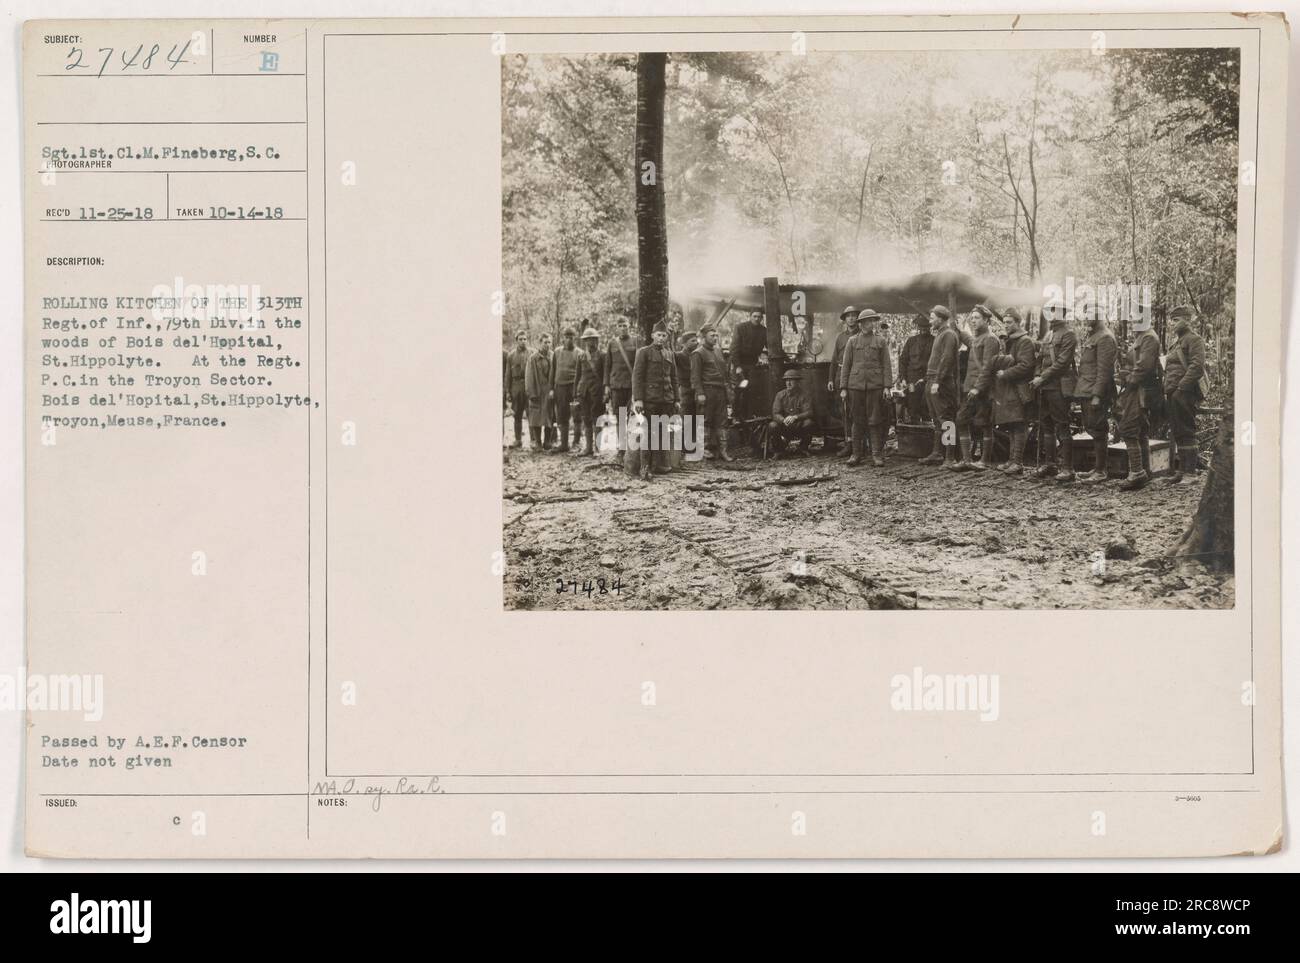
1021, 168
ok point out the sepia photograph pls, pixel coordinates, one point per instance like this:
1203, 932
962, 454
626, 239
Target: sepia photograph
907, 389
926, 329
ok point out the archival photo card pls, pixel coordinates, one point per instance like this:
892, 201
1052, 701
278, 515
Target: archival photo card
799, 437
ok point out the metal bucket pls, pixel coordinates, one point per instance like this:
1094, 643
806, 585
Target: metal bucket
674, 455
636, 434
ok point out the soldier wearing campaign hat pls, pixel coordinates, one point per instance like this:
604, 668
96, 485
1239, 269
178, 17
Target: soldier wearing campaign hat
588, 401
1184, 368
792, 414
865, 378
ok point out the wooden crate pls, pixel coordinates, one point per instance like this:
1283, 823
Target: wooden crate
1117, 456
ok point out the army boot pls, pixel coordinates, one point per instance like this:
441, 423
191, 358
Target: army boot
1047, 454
1016, 460
1099, 456
722, 446
878, 446
936, 453
1144, 445
986, 452
1137, 475
965, 464
949, 457
1065, 456
856, 458
1186, 468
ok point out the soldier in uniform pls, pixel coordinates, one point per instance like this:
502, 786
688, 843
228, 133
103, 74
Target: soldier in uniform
1013, 398
537, 382
654, 394
792, 414
748, 342
709, 384
686, 345
1055, 385
865, 377
590, 365
912, 362
564, 382
849, 318
941, 384
1140, 400
617, 364
976, 411
516, 365
1095, 390
674, 329
1184, 368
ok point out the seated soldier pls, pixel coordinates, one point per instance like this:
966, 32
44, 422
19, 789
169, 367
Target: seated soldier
792, 415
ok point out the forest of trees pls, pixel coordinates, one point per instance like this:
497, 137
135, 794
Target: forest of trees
1019, 168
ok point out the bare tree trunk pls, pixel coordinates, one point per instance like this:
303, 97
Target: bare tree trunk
1130, 187
1209, 538
651, 226
862, 199
1029, 209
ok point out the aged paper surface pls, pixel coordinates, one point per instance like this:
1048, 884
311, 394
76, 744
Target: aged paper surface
284, 564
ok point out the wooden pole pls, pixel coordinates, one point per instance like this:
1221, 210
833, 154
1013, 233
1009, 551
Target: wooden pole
775, 353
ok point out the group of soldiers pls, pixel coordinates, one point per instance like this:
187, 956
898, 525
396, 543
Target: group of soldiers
1008, 382
1013, 381
576, 387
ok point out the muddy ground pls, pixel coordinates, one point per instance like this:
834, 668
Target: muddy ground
810, 533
